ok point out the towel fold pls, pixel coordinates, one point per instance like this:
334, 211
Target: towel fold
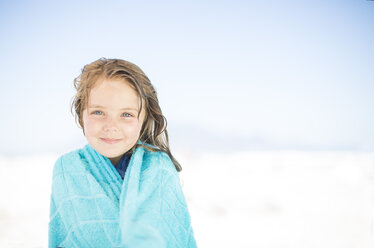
91, 206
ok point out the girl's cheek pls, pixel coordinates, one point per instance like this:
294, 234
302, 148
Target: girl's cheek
94, 124
90, 123
132, 127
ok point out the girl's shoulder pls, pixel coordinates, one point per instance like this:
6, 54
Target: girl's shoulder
73, 161
157, 161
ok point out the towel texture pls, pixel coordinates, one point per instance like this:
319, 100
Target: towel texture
91, 206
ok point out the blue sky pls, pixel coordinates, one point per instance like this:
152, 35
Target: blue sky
230, 74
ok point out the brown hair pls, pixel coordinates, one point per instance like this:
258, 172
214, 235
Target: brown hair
153, 130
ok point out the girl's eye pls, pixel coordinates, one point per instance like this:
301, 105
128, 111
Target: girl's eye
126, 115
97, 112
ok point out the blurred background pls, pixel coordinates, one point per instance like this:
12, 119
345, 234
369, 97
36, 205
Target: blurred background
270, 108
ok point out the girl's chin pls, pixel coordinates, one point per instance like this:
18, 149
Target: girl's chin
111, 155
109, 152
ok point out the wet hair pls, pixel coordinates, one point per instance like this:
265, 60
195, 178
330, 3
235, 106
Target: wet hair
153, 131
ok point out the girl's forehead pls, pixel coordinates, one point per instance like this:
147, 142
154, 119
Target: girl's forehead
114, 93
103, 82
113, 86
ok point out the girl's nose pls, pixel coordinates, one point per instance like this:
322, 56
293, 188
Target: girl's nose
111, 125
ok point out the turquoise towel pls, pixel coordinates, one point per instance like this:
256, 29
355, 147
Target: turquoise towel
91, 206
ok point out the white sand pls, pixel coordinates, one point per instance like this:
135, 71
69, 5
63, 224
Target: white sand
249, 199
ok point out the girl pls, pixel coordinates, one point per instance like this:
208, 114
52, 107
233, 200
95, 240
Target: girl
122, 189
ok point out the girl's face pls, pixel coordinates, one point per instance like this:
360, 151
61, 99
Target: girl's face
111, 123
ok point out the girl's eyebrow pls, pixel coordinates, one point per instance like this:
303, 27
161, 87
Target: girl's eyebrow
99, 106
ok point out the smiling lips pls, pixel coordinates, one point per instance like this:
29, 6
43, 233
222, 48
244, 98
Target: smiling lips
110, 141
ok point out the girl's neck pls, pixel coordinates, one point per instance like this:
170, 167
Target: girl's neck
115, 160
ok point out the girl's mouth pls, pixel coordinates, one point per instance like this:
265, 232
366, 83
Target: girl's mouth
110, 141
